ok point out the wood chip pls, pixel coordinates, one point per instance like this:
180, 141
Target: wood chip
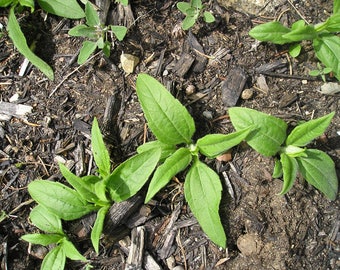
129, 62
9, 110
184, 64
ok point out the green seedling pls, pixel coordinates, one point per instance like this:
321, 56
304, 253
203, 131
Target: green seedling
173, 127
124, 2
326, 42
96, 33
62, 247
320, 72
270, 139
68, 9
192, 11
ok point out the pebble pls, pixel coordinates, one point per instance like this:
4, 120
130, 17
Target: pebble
208, 114
178, 267
247, 93
129, 62
249, 244
190, 89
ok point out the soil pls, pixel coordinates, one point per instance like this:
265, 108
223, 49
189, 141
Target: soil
265, 231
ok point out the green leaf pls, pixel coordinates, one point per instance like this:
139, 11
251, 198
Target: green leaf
86, 50
6, 3
62, 201
294, 151
269, 133
319, 171
289, 168
67, 9
333, 23
98, 227
294, 50
107, 48
303, 134
298, 24
167, 118
188, 22
20, 43
70, 251
327, 50
45, 220
183, 6
119, 31
272, 31
54, 260
202, 190
27, 3
42, 239
277, 169
208, 17
91, 15
100, 153
302, 33
315, 72
85, 190
174, 164
336, 6
213, 145
167, 149
130, 176
82, 30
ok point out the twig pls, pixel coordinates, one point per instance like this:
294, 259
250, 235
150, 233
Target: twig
298, 12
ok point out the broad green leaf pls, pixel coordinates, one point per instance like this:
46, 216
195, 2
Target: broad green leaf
213, 145
298, 24
99, 150
188, 22
293, 151
289, 168
86, 50
327, 50
202, 190
6, 3
319, 171
45, 220
100, 43
336, 6
167, 118
100, 190
91, 15
183, 6
70, 251
269, 133
315, 72
27, 3
130, 176
42, 239
82, 30
20, 43
167, 149
68, 9
61, 200
119, 31
85, 190
174, 164
294, 50
333, 23
98, 227
197, 4
303, 134
54, 260
302, 33
208, 17
272, 31
277, 169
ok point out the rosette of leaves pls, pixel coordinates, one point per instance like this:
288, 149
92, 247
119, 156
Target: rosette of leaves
95, 33
270, 139
326, 42
173, 127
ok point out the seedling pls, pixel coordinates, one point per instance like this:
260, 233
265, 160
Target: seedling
173, 127
96, 33
270, 139
192, 11
326, 43
320, 72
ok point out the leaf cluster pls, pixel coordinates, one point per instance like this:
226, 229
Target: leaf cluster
192, 11
326, 43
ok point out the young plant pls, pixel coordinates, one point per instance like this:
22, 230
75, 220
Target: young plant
320, 72
68, 9
192, 11
96, 33
173, 127
63, 248
270, 139
326, 42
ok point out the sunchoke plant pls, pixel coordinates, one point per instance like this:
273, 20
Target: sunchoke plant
172, 152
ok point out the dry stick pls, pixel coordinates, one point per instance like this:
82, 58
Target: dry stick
298, 12
71, 73
179, 242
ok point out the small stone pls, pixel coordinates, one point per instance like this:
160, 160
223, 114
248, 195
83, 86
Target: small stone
304, 81
190, 89
247, 93
249, 244
129, 62
208, 114
178, 267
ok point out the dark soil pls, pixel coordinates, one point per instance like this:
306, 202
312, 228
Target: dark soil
265, 231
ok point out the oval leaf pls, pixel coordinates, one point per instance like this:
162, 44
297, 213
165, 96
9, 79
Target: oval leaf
62, 201
167, 149
272, 31
213, 145
86, 50
98, 227
70, 251
45, 220
289, 170
42, 239
303, 134
83, 31
270, 131
319, 171
92, 18
119, 31
68, 9
54, 260
167, 118
174, 164
130, 176
202, 190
